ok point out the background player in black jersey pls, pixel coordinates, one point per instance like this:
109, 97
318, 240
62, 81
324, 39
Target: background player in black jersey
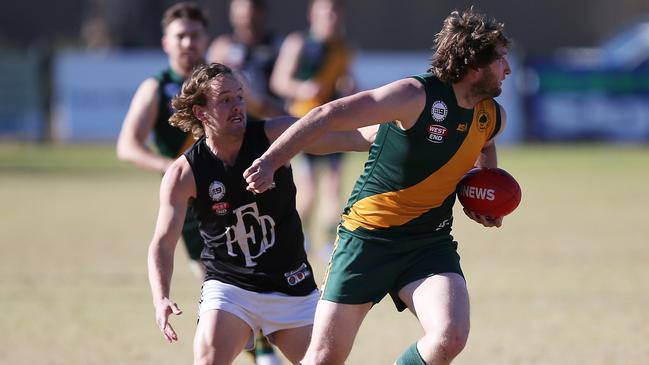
394, 237
257, 273
184, 40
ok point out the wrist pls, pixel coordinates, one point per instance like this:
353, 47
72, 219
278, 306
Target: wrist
268, 161
159, 299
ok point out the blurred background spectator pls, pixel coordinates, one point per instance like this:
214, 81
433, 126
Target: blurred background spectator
251, 48
312, 69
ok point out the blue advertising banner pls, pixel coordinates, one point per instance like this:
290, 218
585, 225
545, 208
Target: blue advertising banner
92, 91
590, 105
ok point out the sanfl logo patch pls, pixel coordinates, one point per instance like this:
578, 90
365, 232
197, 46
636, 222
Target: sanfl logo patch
439, 111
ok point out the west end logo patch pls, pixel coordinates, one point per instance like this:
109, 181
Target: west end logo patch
439, 111
217, 190
221, 208
436, 133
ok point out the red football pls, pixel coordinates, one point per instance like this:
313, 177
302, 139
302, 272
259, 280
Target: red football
492, 192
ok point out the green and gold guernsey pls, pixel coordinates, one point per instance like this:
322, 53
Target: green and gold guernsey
169, 140
407, 188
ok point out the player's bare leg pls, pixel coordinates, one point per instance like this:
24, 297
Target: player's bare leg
292, 342
220, 337
441, 303
334, 331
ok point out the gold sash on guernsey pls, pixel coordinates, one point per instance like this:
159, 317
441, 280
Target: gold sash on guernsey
395, 208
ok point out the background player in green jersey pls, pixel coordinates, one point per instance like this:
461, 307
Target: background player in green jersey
433, 128
184, 40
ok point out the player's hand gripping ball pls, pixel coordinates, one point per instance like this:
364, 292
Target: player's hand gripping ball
492, 192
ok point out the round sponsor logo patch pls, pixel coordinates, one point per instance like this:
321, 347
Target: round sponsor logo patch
483, 120
217, 190
439, 111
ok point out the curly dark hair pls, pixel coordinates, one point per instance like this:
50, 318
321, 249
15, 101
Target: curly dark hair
467, 40
194, 92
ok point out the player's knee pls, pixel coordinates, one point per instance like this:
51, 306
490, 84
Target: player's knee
204, 359
448, 342
324, 357
212, 357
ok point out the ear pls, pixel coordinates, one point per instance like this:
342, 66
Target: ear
199, 112
474, 73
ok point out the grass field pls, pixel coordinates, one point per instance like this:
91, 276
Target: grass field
564, 281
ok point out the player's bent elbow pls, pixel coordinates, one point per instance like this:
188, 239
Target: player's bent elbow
124, 151
323, 117
122, 154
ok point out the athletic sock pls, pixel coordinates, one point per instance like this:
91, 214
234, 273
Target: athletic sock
410, 357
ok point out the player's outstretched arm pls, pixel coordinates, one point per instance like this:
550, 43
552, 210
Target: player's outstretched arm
137, 125
175, 190
356, 140
400, 101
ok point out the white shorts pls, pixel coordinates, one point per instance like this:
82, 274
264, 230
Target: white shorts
268, 312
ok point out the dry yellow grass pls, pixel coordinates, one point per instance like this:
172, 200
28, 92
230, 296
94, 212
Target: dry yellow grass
565, 281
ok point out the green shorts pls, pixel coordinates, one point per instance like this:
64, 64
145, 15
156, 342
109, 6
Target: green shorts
364, 270
191, 236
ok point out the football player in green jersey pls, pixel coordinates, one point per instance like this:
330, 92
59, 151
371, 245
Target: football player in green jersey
395, 234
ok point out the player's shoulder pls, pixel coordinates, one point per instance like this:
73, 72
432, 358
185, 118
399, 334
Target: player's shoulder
179, 176
429, 79
295, 39
219, 47
147, 93
151, 85
179, 168
407, 87
223, 39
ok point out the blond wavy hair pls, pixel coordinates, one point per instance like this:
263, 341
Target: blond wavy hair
194, 92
